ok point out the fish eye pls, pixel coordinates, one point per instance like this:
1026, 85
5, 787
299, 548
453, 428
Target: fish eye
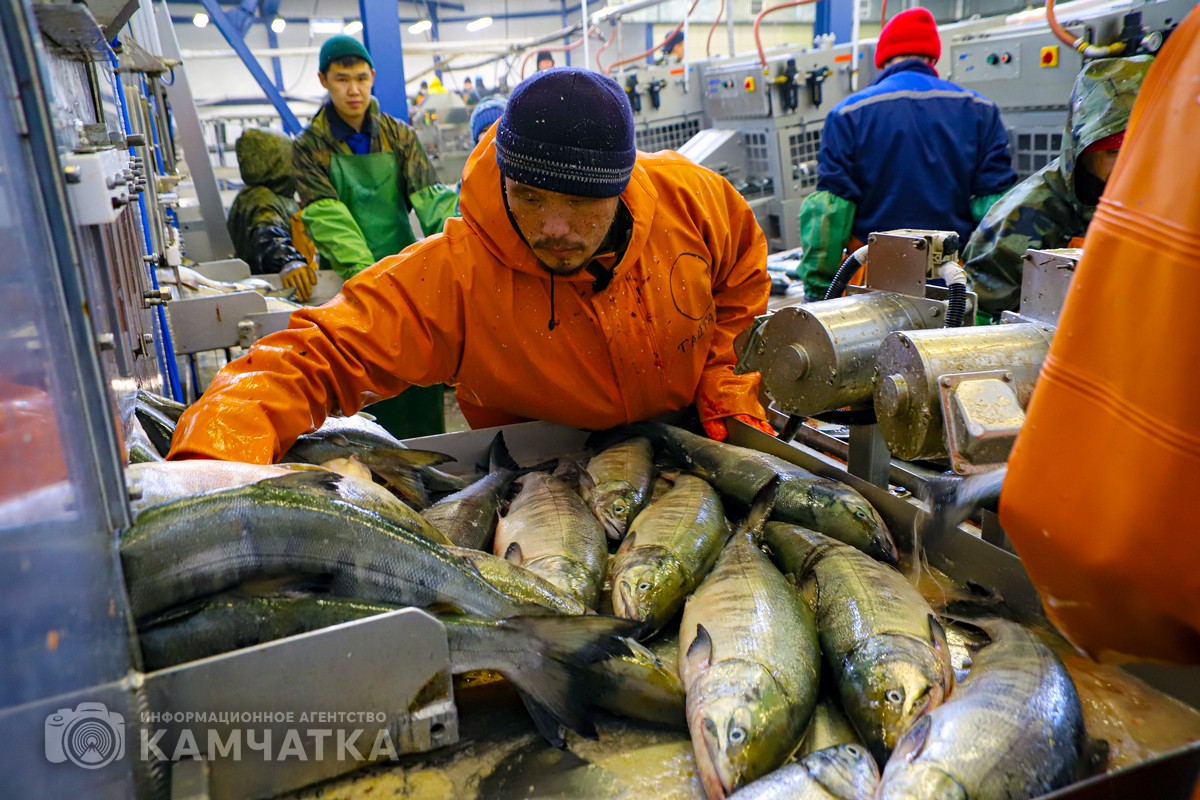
737, 735
854, 750
860, 513
619, 507
894, 696
644, 586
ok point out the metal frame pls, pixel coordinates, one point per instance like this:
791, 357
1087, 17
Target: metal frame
395, 665
234, 38
191, 138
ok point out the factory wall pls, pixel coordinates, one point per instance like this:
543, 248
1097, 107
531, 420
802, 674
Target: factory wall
223, 85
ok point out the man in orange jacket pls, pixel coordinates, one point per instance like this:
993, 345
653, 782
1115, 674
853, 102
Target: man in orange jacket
585, 284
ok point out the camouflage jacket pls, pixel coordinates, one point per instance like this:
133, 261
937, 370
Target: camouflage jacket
260, 217
317, 144
1045, 211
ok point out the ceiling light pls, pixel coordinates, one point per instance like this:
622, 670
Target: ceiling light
200, 20
420, 27
479, 24
325, 25
278, 24
352, 27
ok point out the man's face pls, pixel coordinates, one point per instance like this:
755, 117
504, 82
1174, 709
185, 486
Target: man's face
349, 88
1099, 162
467, 84
563, 230
544, 63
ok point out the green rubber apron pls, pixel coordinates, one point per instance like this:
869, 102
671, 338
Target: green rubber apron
369, 185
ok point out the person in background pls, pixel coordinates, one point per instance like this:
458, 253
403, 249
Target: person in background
586, 284
468, 92
672, 49
260, 219
545, 60
360, 171
1053, 207
485, 115
909, 151
422, 93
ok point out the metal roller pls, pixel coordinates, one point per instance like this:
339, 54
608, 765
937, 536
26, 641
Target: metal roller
819, 357
911, 364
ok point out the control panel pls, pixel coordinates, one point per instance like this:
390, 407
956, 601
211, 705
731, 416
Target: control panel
737, 92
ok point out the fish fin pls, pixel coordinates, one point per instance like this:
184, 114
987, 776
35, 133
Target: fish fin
586, 482
305, 480
1093, 757
555, 687
498, 456
513, 554
401, 475
699, 652
760, 510
937, 635
546, 723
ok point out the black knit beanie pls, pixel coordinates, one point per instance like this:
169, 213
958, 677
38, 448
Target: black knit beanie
568, 130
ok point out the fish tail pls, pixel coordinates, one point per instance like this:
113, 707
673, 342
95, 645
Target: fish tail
401, 470
556, 687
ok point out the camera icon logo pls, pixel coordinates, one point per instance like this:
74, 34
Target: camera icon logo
91, 736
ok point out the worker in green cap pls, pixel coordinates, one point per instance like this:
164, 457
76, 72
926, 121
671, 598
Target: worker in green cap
359, 172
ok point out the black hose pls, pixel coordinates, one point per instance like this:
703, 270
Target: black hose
956, 307
844, 273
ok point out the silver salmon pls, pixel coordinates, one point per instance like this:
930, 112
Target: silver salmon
885, 646
549, 530
750, 664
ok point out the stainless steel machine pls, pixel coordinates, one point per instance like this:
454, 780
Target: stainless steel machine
667, 104
766, 126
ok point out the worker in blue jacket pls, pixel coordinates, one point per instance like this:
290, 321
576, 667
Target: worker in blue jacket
909, 151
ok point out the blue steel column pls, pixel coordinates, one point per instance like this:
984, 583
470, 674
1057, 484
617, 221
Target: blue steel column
381, 35
836, 17
235, 40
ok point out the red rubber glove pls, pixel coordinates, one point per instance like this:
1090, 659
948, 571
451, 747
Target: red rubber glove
718, 431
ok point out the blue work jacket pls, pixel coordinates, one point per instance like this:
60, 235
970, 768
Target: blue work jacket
911, 150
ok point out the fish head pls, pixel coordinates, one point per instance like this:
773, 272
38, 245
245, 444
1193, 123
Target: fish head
907, 775
845, 770
738, 718
613, 503
851, 519
648, 585
889, 682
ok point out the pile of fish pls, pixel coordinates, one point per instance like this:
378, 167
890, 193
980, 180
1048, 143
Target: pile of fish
797, 636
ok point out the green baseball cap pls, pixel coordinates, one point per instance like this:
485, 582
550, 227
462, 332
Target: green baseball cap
341, 46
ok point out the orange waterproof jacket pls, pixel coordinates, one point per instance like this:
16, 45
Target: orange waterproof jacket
1097, 499
470, 307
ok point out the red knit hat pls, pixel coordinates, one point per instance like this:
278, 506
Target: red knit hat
909, 33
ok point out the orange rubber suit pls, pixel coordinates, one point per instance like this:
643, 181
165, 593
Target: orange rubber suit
471, 308
1100, 488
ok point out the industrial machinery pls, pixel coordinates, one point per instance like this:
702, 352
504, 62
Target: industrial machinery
443, 124
667, 105
895, 361
766, 126
1029, 73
